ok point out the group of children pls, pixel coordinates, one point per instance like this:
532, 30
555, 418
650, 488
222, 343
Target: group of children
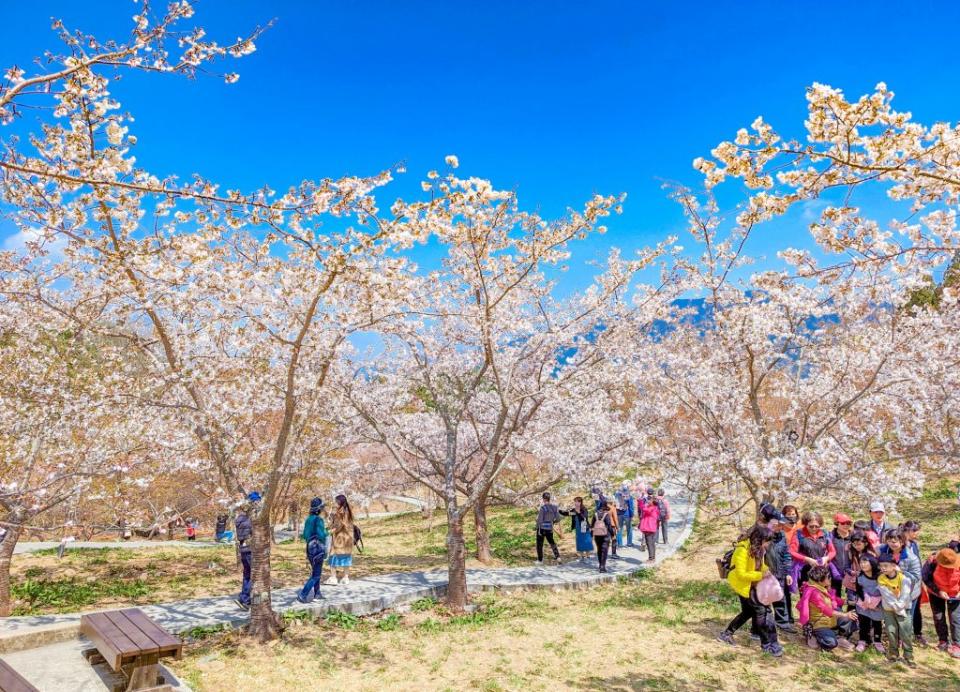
862, 578
611, 525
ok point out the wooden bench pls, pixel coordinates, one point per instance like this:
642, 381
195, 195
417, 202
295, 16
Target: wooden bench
131, 644
12, 681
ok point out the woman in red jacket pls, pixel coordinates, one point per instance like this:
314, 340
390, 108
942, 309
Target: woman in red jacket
941, 575
810, 546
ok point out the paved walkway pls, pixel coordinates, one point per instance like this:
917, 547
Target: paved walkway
361, 596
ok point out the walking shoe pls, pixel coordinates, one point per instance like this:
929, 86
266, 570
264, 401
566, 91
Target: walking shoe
754, 637
332, 581
631, 545
603, 570
651, 559
920, 641
910, 663
881, 649
774, 649
943, 646
345, 580
787, 627
538, 563
241, 605
301, 599
614, 557
861, 647
812, 643
726, 637
954, 651
844, 643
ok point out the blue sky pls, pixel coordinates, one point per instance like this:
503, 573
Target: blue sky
556, 99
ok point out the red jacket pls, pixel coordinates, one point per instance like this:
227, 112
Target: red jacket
804, 538
649, 517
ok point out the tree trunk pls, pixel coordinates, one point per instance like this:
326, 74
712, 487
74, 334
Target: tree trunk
456, 563
6, 554
265, 624
484, 554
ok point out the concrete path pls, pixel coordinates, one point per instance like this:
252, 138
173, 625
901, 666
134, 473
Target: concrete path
361, 596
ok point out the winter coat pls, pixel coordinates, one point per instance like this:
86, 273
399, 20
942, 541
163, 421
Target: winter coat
817, 546
649, 517
818, 606
868, 587
547, 517
744, 570
939, 578
842, 559
881, 529
244, 532
342, 530
895, 592
909, 564
625, 504
778, 557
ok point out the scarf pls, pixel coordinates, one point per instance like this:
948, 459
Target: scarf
893, 583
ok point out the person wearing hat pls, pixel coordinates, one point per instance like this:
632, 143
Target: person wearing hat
941, 575
878, 520
840, 565
244, 529
665, 513
315, 536
547, 517
649, 511
626, 510
780, 563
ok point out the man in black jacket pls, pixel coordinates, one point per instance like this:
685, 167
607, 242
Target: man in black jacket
780, 563
244, 549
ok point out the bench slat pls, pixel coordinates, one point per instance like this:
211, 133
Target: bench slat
145, 645
109, 640
166, 642
12, 681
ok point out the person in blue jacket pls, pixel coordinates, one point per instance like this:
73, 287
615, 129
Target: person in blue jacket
244, 549
315, 536
626, 510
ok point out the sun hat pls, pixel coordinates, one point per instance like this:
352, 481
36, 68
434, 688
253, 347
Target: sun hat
948, 558
841, 518
316, 504
877, 507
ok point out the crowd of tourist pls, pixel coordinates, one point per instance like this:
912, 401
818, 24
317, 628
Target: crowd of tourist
857, 586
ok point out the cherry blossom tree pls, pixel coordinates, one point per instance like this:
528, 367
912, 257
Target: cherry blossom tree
484, 363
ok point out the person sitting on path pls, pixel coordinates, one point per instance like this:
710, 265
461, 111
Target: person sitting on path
602, 529
316, 537
547, 518
747, 568
649, 512
868, 602
896, 595
244, 550
941, 575
810, 546
878, 521
665, 513
341, 557
580, 526
825, 625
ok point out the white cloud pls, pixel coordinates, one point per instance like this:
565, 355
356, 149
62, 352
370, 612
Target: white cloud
17, 242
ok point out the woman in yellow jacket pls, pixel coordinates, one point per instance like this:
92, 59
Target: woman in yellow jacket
748, 568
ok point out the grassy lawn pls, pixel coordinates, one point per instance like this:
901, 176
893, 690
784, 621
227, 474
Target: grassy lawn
87, 579
652, 632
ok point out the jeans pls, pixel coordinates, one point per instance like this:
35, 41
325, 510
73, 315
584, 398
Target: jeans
827, 637
548, 535
783, 609
870, 630
623, 523
313, 583
245, 560
946, 618
663, 529
650, 538
603, 544
762, 620
899, 631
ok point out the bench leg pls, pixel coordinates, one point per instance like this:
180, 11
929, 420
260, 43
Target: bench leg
143, 677
93, 657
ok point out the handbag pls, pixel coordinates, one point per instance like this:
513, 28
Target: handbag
869, 602
769, 590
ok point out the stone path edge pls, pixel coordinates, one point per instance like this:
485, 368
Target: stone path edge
66, 627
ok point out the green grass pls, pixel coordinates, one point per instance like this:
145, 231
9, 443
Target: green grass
66, 595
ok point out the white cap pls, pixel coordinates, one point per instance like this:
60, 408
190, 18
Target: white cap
877, 507
625, 485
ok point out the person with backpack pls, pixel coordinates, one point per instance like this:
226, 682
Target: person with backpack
941, 576
825, 626
615, 520
649, 511
580, 526
315, 536
602, 528
343, 530
746, 568
244, 550
547, 518
665, 513
625, 513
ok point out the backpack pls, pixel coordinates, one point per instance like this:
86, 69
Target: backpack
358, 538
599, 526
725, 563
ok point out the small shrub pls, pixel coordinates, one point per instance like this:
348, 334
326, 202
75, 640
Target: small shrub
424, 604
205, 631
389, 623
346, 621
